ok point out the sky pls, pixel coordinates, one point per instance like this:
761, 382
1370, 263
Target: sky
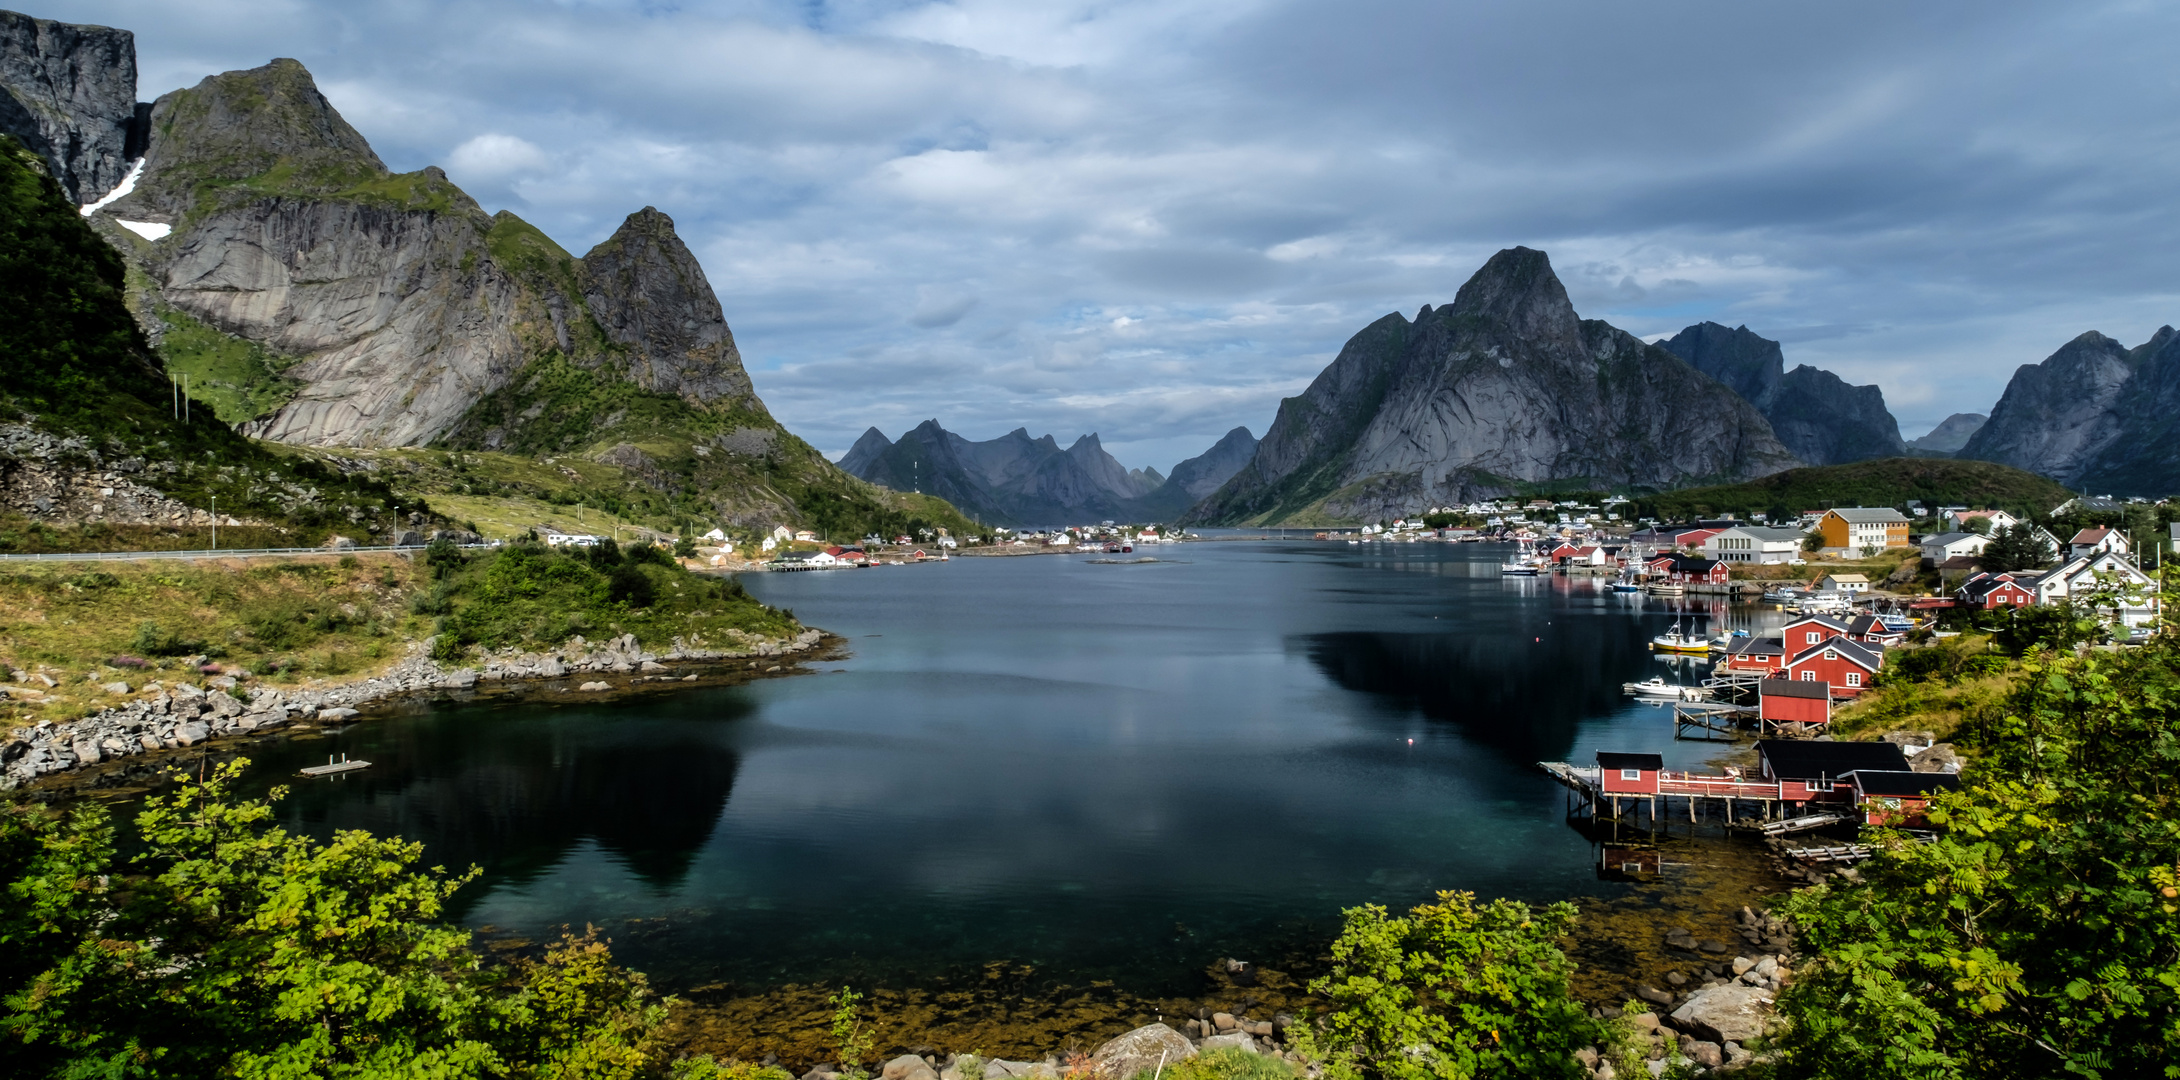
1153, 220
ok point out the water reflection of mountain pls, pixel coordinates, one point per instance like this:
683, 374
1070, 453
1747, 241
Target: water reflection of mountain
1521, 693
513, 795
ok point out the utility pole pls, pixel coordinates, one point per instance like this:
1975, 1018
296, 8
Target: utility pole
215, 523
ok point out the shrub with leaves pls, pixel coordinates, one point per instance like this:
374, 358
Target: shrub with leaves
1450, 991
2039, 933
229, 947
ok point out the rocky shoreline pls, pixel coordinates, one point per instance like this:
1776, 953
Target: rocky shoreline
169, 717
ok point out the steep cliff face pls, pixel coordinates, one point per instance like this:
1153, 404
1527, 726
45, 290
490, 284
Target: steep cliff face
68, 93
651, 298
2057, 416
1201, 475
1817, 415
2094, 415
1951, 434
407, 312
1504, 388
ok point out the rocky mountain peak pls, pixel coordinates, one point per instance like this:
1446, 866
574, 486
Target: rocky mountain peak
69, 93
648, 293
269, 125
1750, 364
1517, 290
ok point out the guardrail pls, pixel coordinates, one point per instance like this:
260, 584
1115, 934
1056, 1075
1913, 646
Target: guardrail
210, 553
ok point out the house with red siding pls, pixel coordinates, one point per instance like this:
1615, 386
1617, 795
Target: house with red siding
1787, 701
1992, 591
1628, 774
1840, 663
1898, 799
1811, 630
1754, 654
1871, 630
1817, 772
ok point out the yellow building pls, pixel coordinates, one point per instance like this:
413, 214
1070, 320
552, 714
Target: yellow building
1849, 530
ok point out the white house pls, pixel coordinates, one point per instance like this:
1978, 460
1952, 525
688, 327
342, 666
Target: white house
554, 538
715, 535
770, 543
782, 533
2081, 580
1996, 519
1846, 583
1943, 546
1754, 544
2097, 541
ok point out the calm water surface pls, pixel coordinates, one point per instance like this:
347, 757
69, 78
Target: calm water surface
1108, 771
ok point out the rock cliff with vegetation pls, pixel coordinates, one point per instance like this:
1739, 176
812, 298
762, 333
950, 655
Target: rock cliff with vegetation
2095, 414
68, 94
1504, 389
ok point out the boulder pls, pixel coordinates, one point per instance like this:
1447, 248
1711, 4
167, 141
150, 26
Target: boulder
1707, 1054
908, 1067
1742, 964
595, 686
86, 751
1653, 995
116, 687
1728, 1013
1239, 1040
329, 715
191, 733
1141, 1050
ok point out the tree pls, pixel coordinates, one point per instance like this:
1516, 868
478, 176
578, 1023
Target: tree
228, 947
2039, 933
2017, 548
1448, 992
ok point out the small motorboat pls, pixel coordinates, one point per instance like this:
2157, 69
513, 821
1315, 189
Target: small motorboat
1624, 585
1656, 687
1664, 588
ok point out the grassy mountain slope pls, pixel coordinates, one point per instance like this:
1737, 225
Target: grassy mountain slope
73, 364
1882, 482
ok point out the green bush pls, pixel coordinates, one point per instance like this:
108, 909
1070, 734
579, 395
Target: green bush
1450, 991
1225, 1063
152, 640
629, 586
226, 946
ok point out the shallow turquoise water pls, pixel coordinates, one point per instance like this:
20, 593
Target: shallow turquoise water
1106, 771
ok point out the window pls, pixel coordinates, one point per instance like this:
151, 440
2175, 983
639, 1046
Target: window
1631, 774
1809, 676
1813, 637
1831, 654
1817, 785
1854, 678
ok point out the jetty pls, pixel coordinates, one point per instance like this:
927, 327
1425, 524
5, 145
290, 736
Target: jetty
1592, 791
335, 768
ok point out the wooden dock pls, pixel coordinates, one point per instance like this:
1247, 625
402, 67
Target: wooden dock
1803, 823
1717, 718
335, 768
1697, 790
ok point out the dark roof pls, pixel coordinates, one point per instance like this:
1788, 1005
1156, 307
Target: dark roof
1765, 646
1869, 515
1869, 624
1952, 537
1688, 565
1902, 782
1793, 759
1961, 562
1794, 688
1607, 759
1869, 656
1824, 619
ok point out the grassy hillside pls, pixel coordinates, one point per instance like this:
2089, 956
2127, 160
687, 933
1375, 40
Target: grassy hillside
73, 362
1882, 482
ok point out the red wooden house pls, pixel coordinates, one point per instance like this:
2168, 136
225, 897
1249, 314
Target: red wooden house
1628, 774
1897, 799
1871, 630
1754, 655
1810, 630
1816, 772
1996, 591
1786, 701
1843, 664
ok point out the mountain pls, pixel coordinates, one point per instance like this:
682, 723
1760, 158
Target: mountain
319, 299
1505, 389
1011, 480
68, 93
90, 431
1195, 478
1816, 414
2094, 415
1951, 434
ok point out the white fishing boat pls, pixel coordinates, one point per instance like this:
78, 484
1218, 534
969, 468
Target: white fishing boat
1675, 641
1657, 688
1664, 588
1522, 565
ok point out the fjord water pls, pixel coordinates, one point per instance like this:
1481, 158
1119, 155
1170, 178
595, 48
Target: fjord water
1105, 771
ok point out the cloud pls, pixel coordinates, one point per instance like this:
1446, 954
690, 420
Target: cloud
1154, 219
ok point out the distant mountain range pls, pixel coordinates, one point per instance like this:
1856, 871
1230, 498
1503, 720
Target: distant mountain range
1951, 434
1821, 419
1018, 481
2096, 416
1504, 389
